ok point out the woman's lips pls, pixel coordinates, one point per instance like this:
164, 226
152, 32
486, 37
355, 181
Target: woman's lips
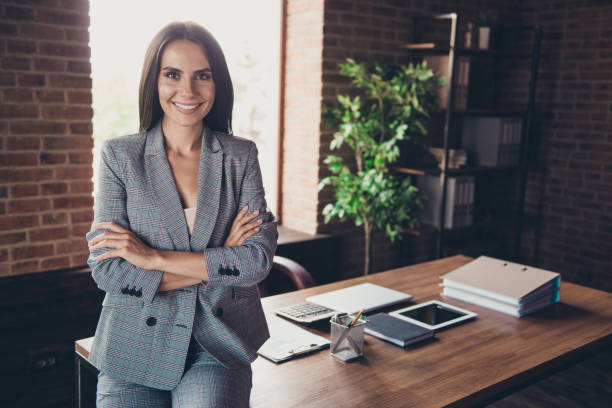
186, 108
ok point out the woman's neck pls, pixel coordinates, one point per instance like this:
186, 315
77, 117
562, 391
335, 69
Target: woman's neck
182, 139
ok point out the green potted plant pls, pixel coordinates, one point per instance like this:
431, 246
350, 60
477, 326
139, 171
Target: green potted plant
395, 108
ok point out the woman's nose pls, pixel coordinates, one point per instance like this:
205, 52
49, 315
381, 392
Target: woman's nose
186, 87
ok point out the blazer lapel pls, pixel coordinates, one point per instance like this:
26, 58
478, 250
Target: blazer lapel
161, 181
209, 190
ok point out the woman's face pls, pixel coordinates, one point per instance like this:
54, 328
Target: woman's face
185, 85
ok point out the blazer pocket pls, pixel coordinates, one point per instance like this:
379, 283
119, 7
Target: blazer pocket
121, 300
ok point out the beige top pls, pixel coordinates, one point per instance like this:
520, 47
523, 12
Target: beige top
190, 214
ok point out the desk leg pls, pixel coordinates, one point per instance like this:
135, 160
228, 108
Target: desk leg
79, 380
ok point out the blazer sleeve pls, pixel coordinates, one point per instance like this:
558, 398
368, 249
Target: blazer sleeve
249, 263
116, 275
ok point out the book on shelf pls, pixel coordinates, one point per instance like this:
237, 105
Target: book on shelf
459, 210
504, 286
396, 331
492, 141
474, 81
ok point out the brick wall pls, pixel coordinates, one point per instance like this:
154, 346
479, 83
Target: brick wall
45, 128
569, 197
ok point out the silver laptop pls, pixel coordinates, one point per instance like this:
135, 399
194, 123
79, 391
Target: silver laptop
365, 296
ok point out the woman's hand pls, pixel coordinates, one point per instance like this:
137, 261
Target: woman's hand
124, 245
242, 228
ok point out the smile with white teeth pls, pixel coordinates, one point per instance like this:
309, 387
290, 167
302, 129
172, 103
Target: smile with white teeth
187, 107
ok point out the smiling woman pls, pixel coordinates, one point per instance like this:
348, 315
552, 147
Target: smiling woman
181, 238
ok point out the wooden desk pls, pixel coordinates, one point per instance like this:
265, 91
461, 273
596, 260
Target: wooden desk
470, 364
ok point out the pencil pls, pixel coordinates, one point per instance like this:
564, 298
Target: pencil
356, 318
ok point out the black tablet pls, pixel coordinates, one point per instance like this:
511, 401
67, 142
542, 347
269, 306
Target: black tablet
433, 315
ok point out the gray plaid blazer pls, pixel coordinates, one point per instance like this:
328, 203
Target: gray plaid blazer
143, 335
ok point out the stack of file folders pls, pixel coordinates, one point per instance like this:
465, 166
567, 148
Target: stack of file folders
503, 286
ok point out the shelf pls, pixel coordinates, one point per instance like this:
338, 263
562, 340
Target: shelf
431, 48
464, 170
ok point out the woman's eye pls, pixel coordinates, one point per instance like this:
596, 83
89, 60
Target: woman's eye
172, 75
203, 76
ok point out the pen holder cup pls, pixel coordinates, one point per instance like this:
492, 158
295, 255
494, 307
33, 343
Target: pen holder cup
347, 342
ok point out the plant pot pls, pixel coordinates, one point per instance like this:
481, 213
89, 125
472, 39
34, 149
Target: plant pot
484, 34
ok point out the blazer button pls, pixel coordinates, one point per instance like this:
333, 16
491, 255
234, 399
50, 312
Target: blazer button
151, 321
132, 291
138, 293
219, 312
125, 290
235, 272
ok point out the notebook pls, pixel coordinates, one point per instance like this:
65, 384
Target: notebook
396, 331
365, 296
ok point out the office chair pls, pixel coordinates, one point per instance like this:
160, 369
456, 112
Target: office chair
286, 275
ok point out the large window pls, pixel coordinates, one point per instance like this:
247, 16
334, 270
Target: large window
249, 33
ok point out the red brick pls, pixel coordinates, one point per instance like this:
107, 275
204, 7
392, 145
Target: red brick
19, 111
29, 205
79, 97
48, 234
25, 267
19, 13
80, 158
74, 172
61, 203
24, 190
7, 78
57, 218
39, 31
23, 143
54, 188
18, 95
31, 251
37, 127
81, 187
75, 245
82, 229
31, 80
66, 112
70, 81
79, 67
50, 96
79, 259
82, 216
52, 158
18, 159
64, 143
62, 18
64, 50
8, 29
16, 63
3, 258
12, 238
49, 64
55, 263
77, 35
81, 128
11, 222
21, 46
19, 175
3, 192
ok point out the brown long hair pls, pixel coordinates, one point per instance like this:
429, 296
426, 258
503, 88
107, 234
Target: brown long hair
220, 116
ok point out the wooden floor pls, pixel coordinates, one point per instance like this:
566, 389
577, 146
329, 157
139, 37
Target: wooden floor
585, 384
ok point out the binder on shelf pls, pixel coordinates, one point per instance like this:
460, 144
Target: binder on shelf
492, 141
504, 286
396, 331
439, 64
459, 211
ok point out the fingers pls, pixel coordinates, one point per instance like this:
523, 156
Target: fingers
105, 236
113, 226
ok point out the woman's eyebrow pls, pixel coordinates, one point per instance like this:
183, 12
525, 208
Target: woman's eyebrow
169, 68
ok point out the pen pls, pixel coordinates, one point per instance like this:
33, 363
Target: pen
346, 330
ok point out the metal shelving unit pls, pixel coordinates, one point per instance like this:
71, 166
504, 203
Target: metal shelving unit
451, 115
